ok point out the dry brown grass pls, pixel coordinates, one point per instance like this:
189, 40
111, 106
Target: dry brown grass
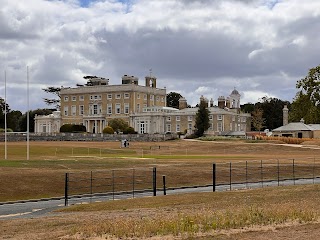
182, 161
206, 215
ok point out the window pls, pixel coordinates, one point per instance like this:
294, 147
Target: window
244, 119
81, 98
118, 96
210, 117
73, 110
157, 98
81, 110
177, 118
138, 96
65, 110
126, 95
220, 129
91, 97
109, 109
233, 118
144, 105
168, 128
95, 109
151, 97
230, 126
190, 118
162, 99
74, 98
190, 126
66, 98
219, 117
211, 127
178, 128
109, 96
118, 108
168, 119
145, 96
126, 108
138, 107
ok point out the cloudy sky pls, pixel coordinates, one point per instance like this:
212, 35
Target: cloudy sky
194, 47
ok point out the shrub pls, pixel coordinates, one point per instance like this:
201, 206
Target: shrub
108, 130
129, 130
118, 124
72, 128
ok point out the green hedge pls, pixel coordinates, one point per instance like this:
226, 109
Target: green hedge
73, 128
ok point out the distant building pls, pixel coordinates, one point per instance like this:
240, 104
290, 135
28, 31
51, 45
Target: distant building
224, 119
296, 129
142, 107
48, 124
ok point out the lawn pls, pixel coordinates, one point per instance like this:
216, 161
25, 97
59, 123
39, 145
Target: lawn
183, 162
271, 213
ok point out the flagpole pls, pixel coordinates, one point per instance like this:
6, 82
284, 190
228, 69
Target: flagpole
5, 116
28, 147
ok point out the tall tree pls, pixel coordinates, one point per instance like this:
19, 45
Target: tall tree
257, 119
306, 104
272, 111
173, 99
3, 106
53, 101
202, 119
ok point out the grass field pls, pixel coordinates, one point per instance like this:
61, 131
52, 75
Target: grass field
182, 161
275, 212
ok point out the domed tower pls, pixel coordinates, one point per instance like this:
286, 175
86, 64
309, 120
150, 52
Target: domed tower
235, 99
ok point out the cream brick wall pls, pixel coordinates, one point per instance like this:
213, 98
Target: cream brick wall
128, 98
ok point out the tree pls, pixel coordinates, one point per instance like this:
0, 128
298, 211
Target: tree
53, 101
118, 124
247, 107
306, 104
303, 107
3, 106
13, 120
272, 109
173, 99
202, 119
310, 85
257, 119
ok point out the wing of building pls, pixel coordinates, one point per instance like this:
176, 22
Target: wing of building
142, 107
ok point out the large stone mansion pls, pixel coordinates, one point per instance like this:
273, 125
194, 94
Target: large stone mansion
142, 107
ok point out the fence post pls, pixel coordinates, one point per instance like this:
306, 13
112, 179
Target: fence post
314, 160
213, 177
246, 174
230, 175
154, 181
261, 173
112, 184
91, 179
278, 173
293, 173
133, 182
164, 185
66, 189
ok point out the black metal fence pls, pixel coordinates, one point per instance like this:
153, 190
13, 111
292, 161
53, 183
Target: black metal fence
124, 183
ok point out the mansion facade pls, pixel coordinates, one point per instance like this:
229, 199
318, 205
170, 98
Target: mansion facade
142, 107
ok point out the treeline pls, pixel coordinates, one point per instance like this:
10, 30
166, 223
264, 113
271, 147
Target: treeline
16, 120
